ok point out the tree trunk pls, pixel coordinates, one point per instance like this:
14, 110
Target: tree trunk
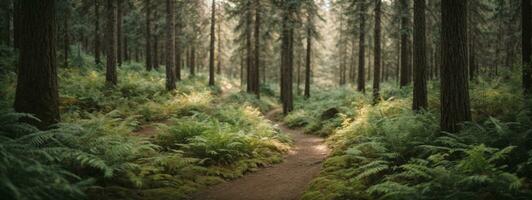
149, 62
212, 44
308, 62
155, 55
527, 46
353, 66
287, 37
119, 34
454, 79
125, 48
405, 49
37, 90
97, 41
66, 40
170, 45
110, 37
255, 76
361, 86
249, 49
377, 52
178, 53
420, 58
219, 50
193, 60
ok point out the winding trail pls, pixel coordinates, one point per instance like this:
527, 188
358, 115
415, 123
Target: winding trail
285, 181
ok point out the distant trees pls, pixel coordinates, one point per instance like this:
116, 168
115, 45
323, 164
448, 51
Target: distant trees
455, 107
110, 42
420, 59
37, 89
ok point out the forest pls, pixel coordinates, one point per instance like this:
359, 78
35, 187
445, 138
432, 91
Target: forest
265, 99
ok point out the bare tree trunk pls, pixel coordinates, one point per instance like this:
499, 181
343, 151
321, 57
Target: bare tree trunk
212, 44
170, 45
97, 40
193, 60
455, 107
110, 76
361, 86
405, 49
155, 47
255, 77
377, 52
66, 40
420, 58
308, 63
178, 49
219, 50
249, 50
37, 90
119, 35
287, 38
149, 62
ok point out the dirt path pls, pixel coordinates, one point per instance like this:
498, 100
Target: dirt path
284, 181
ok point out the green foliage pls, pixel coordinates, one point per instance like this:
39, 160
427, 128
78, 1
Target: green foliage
386, 151
311, 110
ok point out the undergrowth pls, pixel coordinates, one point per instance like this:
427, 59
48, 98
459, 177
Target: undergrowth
203, 138
386, 151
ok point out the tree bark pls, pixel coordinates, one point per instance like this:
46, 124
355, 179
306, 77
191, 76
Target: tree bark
193, 60
377, 52
97, 41
255, 76
212, 44
37, 90
420, 58
170, 45
249, 49
66, 40
119, 34
219, 50
405, 49
155, 59
149, 62
110, 75
308, 63
178, 49
455, 105
287, 37
361, 86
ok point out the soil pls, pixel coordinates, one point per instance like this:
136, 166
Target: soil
285, 181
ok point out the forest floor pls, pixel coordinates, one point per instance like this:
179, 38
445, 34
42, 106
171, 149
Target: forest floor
285, 181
